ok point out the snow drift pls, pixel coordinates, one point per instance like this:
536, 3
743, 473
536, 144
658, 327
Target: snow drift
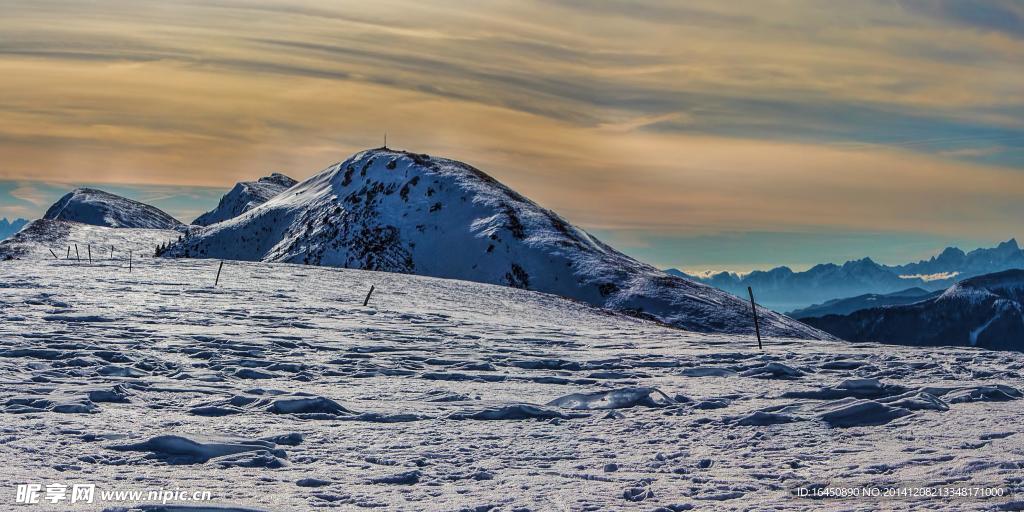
401, 212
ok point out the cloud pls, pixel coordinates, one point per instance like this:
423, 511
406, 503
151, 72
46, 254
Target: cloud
30, 194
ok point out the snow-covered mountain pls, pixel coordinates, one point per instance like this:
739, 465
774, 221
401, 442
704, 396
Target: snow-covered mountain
868, 300
401, 212
99, 208
784, 290
985, 311
8, 228
245, 196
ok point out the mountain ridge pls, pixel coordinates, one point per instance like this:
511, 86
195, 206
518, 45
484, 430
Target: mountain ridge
10, 227
983, 311
783, 289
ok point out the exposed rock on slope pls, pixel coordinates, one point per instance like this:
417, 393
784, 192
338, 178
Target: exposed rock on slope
245, 196
99, 208
401, 212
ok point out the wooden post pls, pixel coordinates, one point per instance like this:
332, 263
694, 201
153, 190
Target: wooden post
111, 252
88, 248
215, 281
54, 254
757, 327
78, 255
129, 261
69, 252
367, 301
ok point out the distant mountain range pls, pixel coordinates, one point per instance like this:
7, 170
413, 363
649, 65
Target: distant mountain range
784, 290
10, 227
984, 311
410, 213
245, 196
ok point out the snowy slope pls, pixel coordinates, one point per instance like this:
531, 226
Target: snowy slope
278, 391
99, 208
400, 212
984, 311
245, 196
40, 237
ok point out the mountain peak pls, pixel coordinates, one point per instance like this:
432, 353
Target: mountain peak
398, 211
1010, 244
93, 206
245, 196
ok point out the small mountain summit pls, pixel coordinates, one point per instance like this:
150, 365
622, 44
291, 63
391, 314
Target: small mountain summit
99, 208
402, 212
245, 196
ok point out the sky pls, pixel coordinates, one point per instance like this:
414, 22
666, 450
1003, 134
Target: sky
699, 135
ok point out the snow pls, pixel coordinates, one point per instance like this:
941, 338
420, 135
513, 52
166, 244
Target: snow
96, 207
417, 214
448, 395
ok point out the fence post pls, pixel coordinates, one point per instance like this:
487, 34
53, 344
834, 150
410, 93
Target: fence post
54, 254
757, 327
215, 281
88, 248
129, 261
367, 300
78, 255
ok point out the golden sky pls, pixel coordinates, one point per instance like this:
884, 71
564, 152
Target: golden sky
638, 119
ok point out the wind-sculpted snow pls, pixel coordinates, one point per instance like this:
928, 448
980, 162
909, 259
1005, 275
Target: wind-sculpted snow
278, 391
245, 196
401, 212
99, 208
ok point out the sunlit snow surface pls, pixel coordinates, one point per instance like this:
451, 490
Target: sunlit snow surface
433, 397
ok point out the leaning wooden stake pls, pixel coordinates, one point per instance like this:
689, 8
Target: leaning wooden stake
54, 254
757, 328
78, 256
367, 300
215, 281
69, 252
89, 249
